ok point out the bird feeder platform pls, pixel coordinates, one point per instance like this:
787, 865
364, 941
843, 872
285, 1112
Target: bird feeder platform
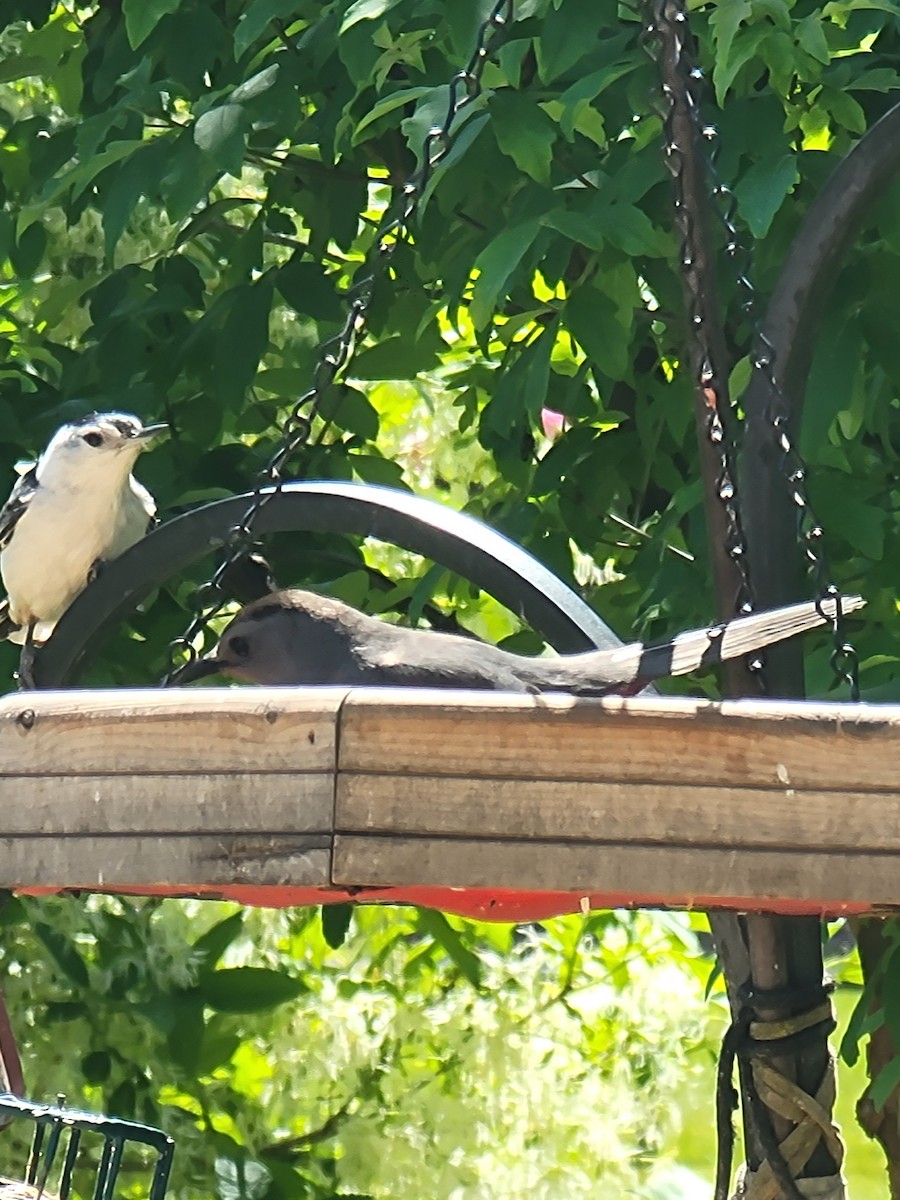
486, 804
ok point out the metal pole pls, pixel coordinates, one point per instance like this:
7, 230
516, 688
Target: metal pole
762, 953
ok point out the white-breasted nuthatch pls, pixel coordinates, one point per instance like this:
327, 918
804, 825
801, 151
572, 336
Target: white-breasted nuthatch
75, 508
295, 637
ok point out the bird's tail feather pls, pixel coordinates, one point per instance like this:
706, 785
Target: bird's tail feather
7, 625
732, 639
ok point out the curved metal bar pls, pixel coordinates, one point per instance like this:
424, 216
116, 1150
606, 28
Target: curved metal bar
790, 325
455, 540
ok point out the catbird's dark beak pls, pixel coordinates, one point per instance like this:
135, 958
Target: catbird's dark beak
200, 668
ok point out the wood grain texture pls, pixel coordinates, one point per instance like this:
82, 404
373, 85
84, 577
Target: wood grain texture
739, 803
166, 804
638, 740
151, 730
103, 862
677, 876
510, 809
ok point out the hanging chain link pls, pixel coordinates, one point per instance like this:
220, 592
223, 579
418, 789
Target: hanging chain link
844, 659
665, 26
335, 353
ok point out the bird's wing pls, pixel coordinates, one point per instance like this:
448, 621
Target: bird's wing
17, 504
705, 647
146, 501
391, 655
7, 624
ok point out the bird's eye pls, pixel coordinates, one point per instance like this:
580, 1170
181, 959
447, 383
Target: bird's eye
92, 439
240, 647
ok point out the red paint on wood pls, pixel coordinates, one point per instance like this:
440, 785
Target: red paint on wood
482, 904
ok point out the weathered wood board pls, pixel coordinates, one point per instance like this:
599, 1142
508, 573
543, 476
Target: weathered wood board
184, 788
742, 804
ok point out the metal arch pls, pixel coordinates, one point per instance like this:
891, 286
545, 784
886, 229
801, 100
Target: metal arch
455, 540
790, 326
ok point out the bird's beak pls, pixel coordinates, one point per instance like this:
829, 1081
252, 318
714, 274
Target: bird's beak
149, 432
200, 668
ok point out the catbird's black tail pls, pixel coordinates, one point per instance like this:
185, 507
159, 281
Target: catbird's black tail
706, 647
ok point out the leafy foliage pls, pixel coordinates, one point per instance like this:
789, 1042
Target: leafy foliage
189, 188
359, 1071
187, 191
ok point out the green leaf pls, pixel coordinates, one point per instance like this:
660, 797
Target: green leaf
594, 320
810, 33
221, 133
762, 191
211, 945
243, 341
351, 410
495, 266
604, 223
23, 66
286, 382
882, 79
308, 289
28, 251
387, 104
255, 86
248, 989
725, 20
217, 1046
96, 1067
862, 1021
397, 357
846, 111
830, 388
142, 17
135, 178
439, 928
519, 396
524, 132
885, 1082
839, 10
64, 953
727, 68
366, 10
852, 513
208, 216
253, 22
336, 919
373, 468
575, 98
569, 32
12, 910
79, 177
577, 226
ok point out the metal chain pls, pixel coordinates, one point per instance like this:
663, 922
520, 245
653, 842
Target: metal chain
335, 354
665, 18
844, 659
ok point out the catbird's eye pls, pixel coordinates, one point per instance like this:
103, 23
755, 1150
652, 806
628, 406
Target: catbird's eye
240, 647
92, 439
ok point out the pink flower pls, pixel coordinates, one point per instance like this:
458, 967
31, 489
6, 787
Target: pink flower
553, 423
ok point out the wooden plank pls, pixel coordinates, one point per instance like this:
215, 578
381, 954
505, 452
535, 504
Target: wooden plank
103, 862
618, 812
677, 876
737, 743
166, 804
207, 730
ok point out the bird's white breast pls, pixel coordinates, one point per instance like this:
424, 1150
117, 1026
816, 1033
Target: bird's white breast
59, 537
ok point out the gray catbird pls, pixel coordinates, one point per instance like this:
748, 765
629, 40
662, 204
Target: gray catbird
294, 637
